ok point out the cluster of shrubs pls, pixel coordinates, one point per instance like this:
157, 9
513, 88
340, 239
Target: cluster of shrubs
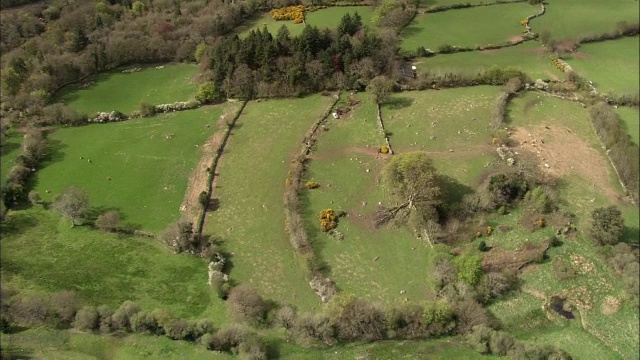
560, 64
491, 76
62, 310
328, 219
624, 261
488, 341
147, 109
509, 89
622, 150
104, 117
622, 29
295, 13
34, 149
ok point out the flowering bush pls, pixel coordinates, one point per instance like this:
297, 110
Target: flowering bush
539, 222
328, 219
312, 185
384, 149
489, 231
295, 13
524, 22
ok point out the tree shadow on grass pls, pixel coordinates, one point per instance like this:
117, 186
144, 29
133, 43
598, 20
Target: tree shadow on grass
631, 235
7, 148
317, 238
54, 155
398, 102
18, 223
410, 30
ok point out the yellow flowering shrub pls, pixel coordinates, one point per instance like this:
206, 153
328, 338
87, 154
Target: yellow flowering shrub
295, 13
384, 149
312, 185
540, 222
328, 219
524, 22
489, 231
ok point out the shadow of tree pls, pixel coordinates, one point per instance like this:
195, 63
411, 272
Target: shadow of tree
398, 102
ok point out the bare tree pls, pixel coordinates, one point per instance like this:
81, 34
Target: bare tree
73, 203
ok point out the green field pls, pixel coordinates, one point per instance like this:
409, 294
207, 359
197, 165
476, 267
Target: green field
525, 57
323, 18
631, 120
425, 4
413, 117
52, 344
125, 92
250, 189
346, 165
8, 153
149, 161
466, 27
103, 268
573, 18
611, 65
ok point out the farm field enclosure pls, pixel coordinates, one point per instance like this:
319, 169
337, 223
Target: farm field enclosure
631, 119
482, 26
140, 167
570, 19
611, 65
250, 188
526, 57
125, 91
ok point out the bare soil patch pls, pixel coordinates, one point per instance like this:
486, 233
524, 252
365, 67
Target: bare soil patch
516, 38
190, 206
610, 305
559, 152
579, 55
498, 259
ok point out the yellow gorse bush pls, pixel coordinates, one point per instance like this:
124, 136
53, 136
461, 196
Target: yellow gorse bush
328, 219
295, 13
312, 185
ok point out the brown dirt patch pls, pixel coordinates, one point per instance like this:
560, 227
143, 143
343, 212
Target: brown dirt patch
498, 259
579, 55
559, 152
581, 265
488, 51
190, 206
516, 38
610, 305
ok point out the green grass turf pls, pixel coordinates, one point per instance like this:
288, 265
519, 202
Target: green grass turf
330, 17
250, 188
409, 116
611, 65
125, 92
425, 4
573, 18
8, 153
323, 18
631, 121
61, 344
149, 161
340, 164
524, 57
42, 253
466, 27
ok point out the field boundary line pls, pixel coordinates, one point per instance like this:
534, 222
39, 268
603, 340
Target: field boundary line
384, 131
294, 225
214, 167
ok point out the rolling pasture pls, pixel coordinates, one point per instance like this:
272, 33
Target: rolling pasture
570, 19
140, 167
8, 153
631, 119
250, 188
466, 27
611, 65
125, 92
378, 265
103, 269
526, 57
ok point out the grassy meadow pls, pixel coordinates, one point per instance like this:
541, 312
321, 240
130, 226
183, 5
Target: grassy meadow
466, 27
250, 188
569, 19
611, 65
148, 160
323, 18
41, 253
8, 153
631, 120
525, 57
371, 264
125, 92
